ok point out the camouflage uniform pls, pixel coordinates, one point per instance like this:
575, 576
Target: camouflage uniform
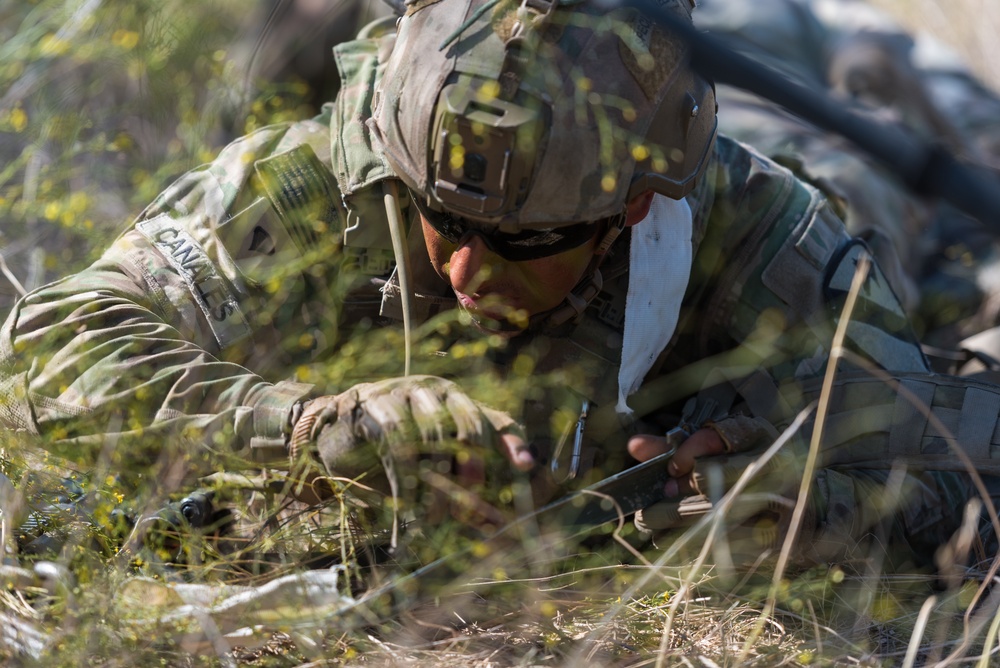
179, 333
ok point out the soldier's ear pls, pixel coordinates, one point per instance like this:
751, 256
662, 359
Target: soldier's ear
638, 208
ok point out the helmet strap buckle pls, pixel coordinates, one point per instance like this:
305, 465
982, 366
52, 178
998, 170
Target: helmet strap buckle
617, 224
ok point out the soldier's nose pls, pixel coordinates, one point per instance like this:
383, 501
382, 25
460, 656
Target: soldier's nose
469, 266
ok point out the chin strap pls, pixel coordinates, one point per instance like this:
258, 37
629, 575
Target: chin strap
576, 302
572, 307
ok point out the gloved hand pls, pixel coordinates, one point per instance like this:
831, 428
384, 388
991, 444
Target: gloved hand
377, 428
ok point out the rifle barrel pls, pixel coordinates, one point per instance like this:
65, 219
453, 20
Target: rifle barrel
927, 169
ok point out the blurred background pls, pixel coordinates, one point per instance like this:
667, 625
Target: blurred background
968, 26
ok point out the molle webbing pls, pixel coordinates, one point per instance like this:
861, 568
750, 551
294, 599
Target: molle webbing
914, 419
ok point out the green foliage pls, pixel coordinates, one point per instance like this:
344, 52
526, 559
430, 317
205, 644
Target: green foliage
104, 104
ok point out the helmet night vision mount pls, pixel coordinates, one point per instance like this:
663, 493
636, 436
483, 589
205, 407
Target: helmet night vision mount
483, 149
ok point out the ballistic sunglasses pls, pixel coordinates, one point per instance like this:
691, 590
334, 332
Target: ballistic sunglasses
516, 247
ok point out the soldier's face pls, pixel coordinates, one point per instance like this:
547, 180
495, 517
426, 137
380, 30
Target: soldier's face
499, 294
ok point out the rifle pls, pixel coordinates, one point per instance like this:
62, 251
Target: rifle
927, 169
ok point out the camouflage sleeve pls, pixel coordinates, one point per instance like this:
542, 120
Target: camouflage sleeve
769, 282
770, 275
777, 265
169, 342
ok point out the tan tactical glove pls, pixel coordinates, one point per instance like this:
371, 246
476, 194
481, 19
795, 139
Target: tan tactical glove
373, 430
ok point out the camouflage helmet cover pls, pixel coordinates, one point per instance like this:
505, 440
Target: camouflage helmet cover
540, 114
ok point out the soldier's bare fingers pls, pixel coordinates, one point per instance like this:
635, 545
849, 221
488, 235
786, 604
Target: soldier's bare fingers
675, 488
517, 451
702, 443
646, 446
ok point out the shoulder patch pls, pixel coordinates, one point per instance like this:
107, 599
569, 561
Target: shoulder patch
876, 293
301, 190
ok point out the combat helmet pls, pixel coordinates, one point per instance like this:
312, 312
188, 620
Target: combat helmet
525, 115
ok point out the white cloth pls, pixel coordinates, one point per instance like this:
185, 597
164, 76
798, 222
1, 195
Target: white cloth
659, 268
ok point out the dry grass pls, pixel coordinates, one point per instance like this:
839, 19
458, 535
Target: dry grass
971, 27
